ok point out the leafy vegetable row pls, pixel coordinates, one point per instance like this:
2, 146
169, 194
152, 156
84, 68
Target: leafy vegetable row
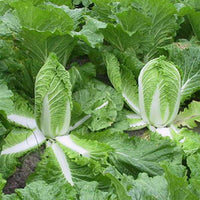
76, 77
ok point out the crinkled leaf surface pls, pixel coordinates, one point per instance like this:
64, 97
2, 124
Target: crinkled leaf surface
159, 96
188, 140
189, 116
5, 97
44, 30
53, 98
91, 33
18, 142
90, 191
177, 183
81, 75
121, 40
164, 25
135, 155
173, 185
101, 102
76, 14
49, 19
135, 121
22, 113
156, 25
133, 21
71, 170
193, 18
113, 70
123, 81
2, 129
42, 190
2, 184
193, 163
186, 56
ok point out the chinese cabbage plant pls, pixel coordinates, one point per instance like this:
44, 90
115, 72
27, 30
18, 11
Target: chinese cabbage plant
155, 99
51, 126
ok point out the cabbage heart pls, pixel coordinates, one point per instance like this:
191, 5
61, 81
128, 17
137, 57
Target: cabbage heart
53, 102
159, 92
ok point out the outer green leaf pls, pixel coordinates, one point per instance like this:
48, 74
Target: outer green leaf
135, 155
121, 40
156, 25
133, 21
171, 187
2, 184
115, 177
177, 184
113, 70
40, 44
17, 143
12, 70
147, 188
49, 19
130, 61
123, 80
130, 90
78, 117
9, 24
76, 14
85, 3
90, 191
2, 129
43, 30
193, 18
21, 144
186, 56
193, 162
193, 3
22, 114
6, 103
159, 95
188, 139
81, 75
65, 167
10, 197
194, 186
53, 98
106, 8
90, 32
101, 102
42, 190
61, 2
86, 148
3, 7
164, 25
189, 116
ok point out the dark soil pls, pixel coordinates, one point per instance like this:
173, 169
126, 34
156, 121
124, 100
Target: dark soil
18, 179
138, 133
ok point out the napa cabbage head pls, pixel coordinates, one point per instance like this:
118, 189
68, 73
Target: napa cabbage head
159, 92
53, 102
